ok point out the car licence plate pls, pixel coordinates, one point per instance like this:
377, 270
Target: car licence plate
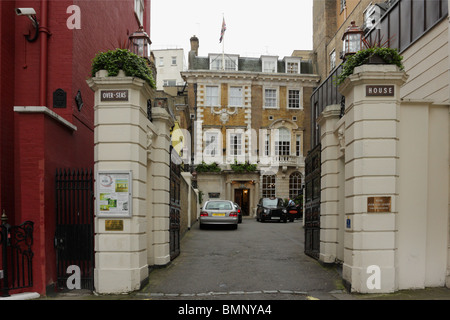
218, 214
276, 218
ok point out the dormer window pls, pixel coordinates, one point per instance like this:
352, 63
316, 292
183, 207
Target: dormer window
292, 65
216, 62
269, 64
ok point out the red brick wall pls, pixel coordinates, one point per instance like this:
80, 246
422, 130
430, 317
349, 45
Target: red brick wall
41, 145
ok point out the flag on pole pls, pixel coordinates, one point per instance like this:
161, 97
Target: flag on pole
222, 32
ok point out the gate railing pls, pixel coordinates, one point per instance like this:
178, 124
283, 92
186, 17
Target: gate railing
74, 236
16, 256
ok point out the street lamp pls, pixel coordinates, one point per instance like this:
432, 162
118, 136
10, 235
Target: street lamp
352, 40
140, 43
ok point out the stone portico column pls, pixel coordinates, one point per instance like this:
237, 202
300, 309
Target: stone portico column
120, 137
371, 177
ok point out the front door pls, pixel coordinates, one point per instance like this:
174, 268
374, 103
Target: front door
242, 198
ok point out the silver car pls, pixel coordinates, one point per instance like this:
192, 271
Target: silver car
219, 212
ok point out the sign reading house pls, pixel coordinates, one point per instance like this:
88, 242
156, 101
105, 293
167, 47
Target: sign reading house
114, 95
380, 91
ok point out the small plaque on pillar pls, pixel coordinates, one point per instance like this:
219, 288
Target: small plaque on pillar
379, 204
114, 95
113, 225
380, 91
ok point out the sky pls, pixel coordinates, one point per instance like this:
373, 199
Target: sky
254, 27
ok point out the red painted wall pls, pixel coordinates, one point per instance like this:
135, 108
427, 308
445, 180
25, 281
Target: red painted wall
33, 146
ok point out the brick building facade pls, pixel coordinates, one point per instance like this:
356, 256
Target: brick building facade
46, 113
249, 110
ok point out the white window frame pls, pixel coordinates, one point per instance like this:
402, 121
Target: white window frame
161, 62
174, 60
269, 64
139, 8
212, 99
283, 142
300, 98
212, 146
236, 96
266, 100
235, 144
216, 60
298, 145
289, 61
332, 60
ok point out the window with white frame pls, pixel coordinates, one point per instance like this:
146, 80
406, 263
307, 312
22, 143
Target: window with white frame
268, 186
270, 98
294, 99
293, 67
283, 142
169, 83
139, 10
236, 96
235, 142
343, 4
211, 144
174, 61
216, 62
295, 185
332, 60
267, 145
161, 62
298, 145
212, 96
269, 64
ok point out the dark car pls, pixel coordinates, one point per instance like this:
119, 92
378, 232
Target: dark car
238, 208
271, 209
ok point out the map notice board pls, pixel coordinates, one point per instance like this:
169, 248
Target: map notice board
114, 196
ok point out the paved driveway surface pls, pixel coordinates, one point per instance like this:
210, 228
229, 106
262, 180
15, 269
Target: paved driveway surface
256, 261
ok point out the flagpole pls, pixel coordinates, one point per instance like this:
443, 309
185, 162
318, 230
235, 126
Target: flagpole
223, 47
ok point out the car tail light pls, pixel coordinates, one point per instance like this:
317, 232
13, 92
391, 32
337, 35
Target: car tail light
239, 210
203, 214
233, 214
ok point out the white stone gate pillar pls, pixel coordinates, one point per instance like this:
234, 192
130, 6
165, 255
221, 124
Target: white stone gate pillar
120, 136
371, 177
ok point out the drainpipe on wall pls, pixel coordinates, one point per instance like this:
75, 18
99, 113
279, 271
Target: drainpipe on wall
43, 28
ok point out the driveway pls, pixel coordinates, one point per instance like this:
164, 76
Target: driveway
256, 261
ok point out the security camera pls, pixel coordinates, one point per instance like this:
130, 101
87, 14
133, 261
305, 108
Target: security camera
31, 14
25, 12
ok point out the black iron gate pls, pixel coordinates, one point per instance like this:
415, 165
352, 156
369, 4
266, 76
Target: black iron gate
175, 207
312, 202
16, 256
74, 236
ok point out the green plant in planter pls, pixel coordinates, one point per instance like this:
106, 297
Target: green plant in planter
387, 55
204, 167
243, 167
123, 59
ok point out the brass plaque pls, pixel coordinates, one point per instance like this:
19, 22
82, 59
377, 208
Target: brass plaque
114, 225
379, 204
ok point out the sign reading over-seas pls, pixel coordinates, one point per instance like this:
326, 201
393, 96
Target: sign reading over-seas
114, 95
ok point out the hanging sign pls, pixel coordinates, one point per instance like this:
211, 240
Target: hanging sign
114, 195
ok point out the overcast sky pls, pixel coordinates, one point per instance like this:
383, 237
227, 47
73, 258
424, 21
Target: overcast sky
254, 27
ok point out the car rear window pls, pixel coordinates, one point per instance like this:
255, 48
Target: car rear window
270, 202
218, 205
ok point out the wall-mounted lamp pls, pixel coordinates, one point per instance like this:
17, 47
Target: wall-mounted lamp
31, 14
352, 40
140, 43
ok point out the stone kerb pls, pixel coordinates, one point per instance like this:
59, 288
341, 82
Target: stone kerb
120, 145
371, 176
